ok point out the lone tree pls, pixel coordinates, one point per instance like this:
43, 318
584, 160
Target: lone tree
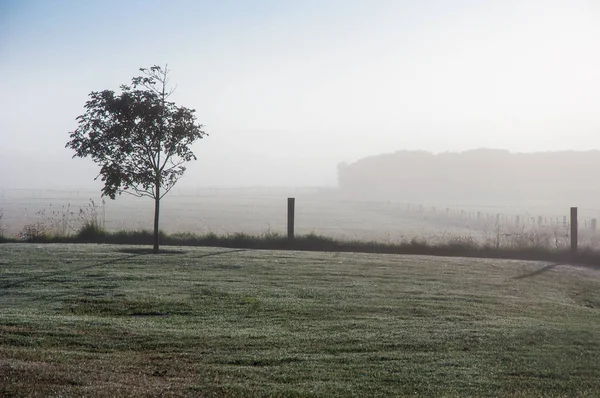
140, 140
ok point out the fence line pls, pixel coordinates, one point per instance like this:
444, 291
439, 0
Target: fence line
323, 214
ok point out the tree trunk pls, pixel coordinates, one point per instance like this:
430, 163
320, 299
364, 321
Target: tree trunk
156, 214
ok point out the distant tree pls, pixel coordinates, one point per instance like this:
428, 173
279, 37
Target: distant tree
140, 140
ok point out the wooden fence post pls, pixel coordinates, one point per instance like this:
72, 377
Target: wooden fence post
290, 220
573, 229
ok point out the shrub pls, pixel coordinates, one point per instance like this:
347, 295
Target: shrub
91, 232
35, 232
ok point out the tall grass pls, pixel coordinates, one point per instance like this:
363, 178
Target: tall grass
91, 221
2, 228
55, 223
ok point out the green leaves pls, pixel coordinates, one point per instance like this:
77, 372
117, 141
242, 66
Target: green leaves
137, 137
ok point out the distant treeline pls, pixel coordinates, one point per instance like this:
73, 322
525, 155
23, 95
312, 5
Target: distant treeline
482, 175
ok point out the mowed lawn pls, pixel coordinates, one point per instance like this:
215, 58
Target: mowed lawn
101, 320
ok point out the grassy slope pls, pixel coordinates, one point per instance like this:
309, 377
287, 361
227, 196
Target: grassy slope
95, 320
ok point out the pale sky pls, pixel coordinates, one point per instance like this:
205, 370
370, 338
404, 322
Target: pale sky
289, 89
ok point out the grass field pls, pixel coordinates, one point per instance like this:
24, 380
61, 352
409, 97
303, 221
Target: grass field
101, 320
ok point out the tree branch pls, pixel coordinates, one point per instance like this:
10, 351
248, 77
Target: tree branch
138, 193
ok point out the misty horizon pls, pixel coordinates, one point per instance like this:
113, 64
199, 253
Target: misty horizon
87, 170
289, 91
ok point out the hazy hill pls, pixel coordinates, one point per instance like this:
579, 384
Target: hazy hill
482, 175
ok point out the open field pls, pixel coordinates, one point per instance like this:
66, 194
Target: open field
224, 213
100, 320
263, 211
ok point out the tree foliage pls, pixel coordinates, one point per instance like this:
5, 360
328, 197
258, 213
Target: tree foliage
139, 138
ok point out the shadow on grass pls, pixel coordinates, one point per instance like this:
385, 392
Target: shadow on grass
133, 253
539, 271
223, 252
171, 252
63, 272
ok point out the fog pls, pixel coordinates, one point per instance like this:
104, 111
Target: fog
289, 90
